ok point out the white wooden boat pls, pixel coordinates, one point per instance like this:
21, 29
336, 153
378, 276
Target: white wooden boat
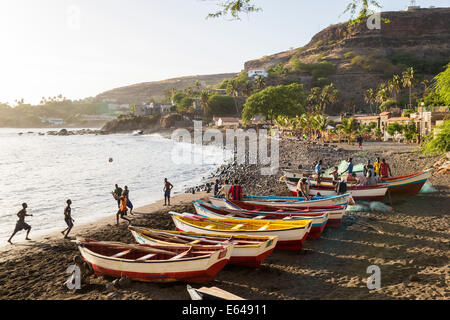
291, 234
249, 251
372, 193
155, 263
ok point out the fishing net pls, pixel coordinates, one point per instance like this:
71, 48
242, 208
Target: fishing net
380, 207
428, 188
358, 208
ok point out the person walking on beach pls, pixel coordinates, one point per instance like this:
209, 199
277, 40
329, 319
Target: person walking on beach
167, 188
225, 188
122, 210
360, 141
126, 193
303, 188
385, 169
68, 218
21, 224
236, 191
117, 193
349, 169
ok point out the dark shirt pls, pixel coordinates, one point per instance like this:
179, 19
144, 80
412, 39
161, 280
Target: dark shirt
118, 191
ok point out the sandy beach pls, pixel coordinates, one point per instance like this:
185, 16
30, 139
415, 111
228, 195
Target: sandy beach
410, 245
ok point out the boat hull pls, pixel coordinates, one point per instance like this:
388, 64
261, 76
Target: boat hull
196, 270
246, 255
288, 239
319, 220
371, 193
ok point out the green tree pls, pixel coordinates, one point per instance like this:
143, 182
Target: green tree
370, 98
204, 97
349, 127
394, 128
287, 100
408, 81
441, 140
220, 105
442, 85
260, 82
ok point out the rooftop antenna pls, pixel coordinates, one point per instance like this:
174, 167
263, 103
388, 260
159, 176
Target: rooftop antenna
413, 3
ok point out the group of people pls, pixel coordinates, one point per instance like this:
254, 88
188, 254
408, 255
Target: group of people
123, 202
229, 191
372, 173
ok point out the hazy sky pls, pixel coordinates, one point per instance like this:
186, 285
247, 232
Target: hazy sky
82, 47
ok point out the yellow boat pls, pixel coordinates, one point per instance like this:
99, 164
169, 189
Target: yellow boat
291, 234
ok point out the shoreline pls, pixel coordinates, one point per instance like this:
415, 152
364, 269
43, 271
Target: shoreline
410, 245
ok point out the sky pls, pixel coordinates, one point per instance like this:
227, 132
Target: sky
80, 48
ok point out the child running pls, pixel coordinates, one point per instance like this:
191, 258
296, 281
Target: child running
21, 224
68, 219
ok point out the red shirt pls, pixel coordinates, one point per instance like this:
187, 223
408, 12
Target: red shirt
384, 169
236, 192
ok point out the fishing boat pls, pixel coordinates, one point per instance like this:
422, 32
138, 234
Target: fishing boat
372, 193
137, 133
291, 234
295, 202
294, 176
319, 219
409, 184
249, 251
155, 263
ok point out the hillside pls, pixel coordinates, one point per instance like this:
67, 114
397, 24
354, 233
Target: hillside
145, 91
364, 58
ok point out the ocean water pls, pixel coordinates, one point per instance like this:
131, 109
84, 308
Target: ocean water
45, 171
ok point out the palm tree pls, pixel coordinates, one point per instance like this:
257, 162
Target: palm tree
329, 95
247, 89
370, 98
320, 123
260, 82
396, 85
313, 99
234, 90
408, 81
425, 85
348, 127
204, 97
382, 94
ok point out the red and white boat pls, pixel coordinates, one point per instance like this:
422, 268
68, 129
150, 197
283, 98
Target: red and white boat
409, 184
291, 234
155, 263
371, 193
293, 202
319, 219
248, 251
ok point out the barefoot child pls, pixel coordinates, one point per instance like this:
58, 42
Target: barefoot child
68, 219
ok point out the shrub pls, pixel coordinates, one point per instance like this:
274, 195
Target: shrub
318, 44
349, 55
441, 141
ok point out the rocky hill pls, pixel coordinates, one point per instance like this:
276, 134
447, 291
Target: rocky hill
363, 58
141, 92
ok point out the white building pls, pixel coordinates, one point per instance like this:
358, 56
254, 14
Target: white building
257, 72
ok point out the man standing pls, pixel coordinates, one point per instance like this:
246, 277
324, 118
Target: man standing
167, 188
21, 224
236, 191
349, 169
126, 193
335, 175
68, 219
360, 141
385, 169
318, 172
122, 210
376, 166
117, 193
216, 188
303, 188
225, 188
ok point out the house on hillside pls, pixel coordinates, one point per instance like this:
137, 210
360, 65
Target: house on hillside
160, 108
226, 121
252, 73
366, 120
427, 119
